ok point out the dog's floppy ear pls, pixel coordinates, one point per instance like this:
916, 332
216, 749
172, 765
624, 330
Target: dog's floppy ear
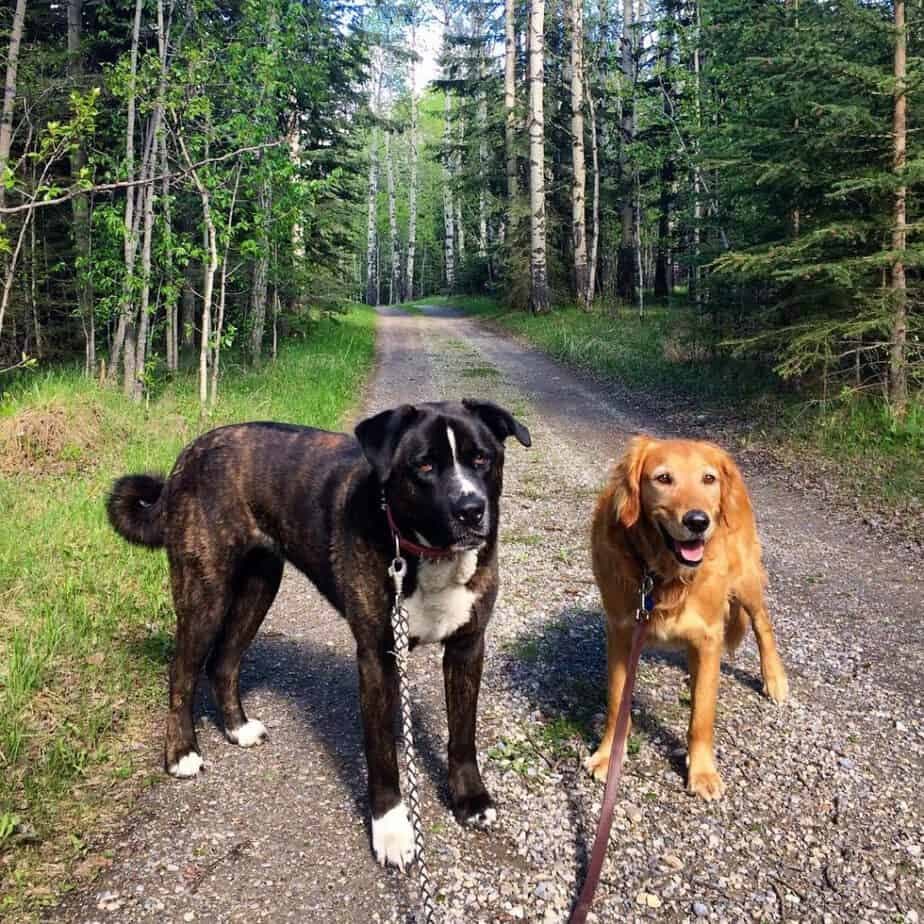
379, 436
735, 501
499, 421
629, 481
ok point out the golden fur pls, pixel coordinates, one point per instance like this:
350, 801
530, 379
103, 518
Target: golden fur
702, 607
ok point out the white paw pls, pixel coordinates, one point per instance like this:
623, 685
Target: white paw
485, 819
393, 838
250, 733
187, 766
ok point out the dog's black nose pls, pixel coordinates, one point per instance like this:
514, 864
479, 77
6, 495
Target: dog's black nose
469, 509
697, 521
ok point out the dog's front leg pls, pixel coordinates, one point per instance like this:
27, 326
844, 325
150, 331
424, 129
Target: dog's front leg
463, 660
705, 662
392, 835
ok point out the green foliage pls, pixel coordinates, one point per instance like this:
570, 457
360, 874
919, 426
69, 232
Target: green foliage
86, 631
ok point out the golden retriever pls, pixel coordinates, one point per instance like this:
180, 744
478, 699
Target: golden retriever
679, 510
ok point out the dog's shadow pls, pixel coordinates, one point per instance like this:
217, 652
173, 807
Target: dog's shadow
561, 667
322, 683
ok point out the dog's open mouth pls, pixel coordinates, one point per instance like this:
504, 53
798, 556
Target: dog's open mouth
688, 552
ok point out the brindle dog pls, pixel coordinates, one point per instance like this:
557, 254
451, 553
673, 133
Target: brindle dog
242, 500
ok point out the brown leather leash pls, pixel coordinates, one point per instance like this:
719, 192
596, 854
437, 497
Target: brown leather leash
614, 767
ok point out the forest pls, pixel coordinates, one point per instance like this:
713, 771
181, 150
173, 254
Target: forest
182, 176
204, 206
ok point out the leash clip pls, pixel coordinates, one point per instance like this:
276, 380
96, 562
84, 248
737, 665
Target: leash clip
396, 571
646, 600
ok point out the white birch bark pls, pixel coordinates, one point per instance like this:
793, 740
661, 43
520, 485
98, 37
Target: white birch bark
510, 102
412, 183
394, 275
539, 288
595, 208
448, 211
898, 374
578, 179
9, 93
372, 244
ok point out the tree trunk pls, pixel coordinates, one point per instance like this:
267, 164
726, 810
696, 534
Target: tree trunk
222, 292
394, 276
457, 173
173, 357
510, 102
539, 301
626, 263
663, 277
578, 180
448, 212
482, 137
258, 287
9, 93
80, 204
206, 326
125, 333
595, 209
412, 185
372, 243
695, 276
898, 372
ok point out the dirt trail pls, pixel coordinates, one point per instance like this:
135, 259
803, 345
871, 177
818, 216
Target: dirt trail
823, 816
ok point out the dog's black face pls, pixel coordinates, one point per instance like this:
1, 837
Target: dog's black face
441, 466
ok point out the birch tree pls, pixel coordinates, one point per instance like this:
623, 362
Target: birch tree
539, 301
578, 182
412, 183
898, 373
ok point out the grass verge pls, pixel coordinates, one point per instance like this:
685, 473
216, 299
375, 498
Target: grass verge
660, 354
86, 624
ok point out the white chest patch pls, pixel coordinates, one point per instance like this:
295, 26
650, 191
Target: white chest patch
441, 602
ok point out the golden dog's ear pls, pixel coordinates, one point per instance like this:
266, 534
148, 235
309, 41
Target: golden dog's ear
628, 503
735, 501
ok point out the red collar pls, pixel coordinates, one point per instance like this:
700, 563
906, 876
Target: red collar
412, 548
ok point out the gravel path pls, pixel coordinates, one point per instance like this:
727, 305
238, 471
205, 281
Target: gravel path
823, 819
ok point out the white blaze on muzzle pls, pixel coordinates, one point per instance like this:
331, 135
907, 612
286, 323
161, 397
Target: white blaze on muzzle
466, 485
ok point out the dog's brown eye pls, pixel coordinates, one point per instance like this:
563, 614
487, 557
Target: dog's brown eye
425, 467
708, 478
481, 461
664, 478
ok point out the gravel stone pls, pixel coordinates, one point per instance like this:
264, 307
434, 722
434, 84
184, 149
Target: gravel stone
823, 810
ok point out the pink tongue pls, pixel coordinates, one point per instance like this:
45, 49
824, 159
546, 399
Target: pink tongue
692, 550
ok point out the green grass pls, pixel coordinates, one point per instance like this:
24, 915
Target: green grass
85, 620
662, 355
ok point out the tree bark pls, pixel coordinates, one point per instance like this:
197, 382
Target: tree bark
578, 180
394, 276
626, 262
80, 204
510, 103
448, 212
222, 292
663, 277
898, 372
206, 326
372, 244
9, 93
482, 136
125, 332
258, 287
412, 184
457, 198
595, 209
539, 300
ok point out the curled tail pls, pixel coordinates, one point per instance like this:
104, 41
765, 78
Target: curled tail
135, 509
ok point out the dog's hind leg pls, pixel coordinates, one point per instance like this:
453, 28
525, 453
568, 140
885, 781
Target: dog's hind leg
253, 590
201, 599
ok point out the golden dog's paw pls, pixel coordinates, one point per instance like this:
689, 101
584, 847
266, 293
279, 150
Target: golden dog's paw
597, 764
777, 687
707, 784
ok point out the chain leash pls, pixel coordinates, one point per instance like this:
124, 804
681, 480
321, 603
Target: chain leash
399, 625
